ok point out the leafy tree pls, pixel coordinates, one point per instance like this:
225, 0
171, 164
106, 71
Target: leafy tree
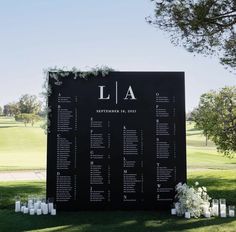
6, 110
1, 110
216, 116
14, 108
202, 26
190, 114
34, 118
11, 109
29, 104
27, 118
202, 117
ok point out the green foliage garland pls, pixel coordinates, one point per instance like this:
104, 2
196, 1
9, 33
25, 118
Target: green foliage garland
64, 72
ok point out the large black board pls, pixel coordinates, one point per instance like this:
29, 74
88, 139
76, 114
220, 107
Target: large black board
116, 142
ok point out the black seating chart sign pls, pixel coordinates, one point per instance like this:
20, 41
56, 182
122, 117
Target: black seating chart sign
116, 142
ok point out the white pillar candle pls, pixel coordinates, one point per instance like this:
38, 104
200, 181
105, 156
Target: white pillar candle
223, 214
39, 204
215, 207
32, 211
223, 208
45, 209
36, 206
207, 214
30, 204
177, 207
173, 211
187, 215
17, 206
22, 209
53, 212
42, 205
50, 207
215, 210
39, 211
231, 210
231, 213
26, 210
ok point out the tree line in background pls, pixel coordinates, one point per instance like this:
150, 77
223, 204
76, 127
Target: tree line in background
27, 110
216, 117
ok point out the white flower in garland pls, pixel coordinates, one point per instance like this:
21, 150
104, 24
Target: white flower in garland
194, 201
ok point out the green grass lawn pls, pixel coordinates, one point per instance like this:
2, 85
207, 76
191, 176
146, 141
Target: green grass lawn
21, 148
115, 221
200, 156
25, 148
219, 184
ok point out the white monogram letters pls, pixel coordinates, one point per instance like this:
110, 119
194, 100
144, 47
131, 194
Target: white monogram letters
106, 96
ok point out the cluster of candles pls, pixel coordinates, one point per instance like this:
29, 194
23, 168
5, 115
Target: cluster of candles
218, 208
35, 206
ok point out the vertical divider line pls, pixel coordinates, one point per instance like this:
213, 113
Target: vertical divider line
116, 92
75, 160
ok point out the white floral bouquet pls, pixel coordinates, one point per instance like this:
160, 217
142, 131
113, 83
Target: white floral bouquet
194, 200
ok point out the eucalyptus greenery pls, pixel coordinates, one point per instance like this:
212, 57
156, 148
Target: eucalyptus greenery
55, 72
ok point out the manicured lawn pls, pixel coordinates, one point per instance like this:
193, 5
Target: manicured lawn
9, 190
25, 148
116, 221
21, 147
200, 156
220, 184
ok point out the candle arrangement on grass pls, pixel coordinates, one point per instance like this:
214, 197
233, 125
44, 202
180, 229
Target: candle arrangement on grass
35, 206
195, 202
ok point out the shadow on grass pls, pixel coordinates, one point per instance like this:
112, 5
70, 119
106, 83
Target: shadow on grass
217, 187
105, 221
114, 221
191, 134
1, 127
11, 122
200, 144
9, 191
193, 129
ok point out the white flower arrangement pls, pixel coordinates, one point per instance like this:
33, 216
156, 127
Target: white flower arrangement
196, 201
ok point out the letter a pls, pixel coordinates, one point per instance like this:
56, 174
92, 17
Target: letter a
130, 94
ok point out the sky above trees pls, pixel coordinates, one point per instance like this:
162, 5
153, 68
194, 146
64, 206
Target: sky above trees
39, 34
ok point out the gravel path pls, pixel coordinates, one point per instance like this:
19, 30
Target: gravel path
22, 175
